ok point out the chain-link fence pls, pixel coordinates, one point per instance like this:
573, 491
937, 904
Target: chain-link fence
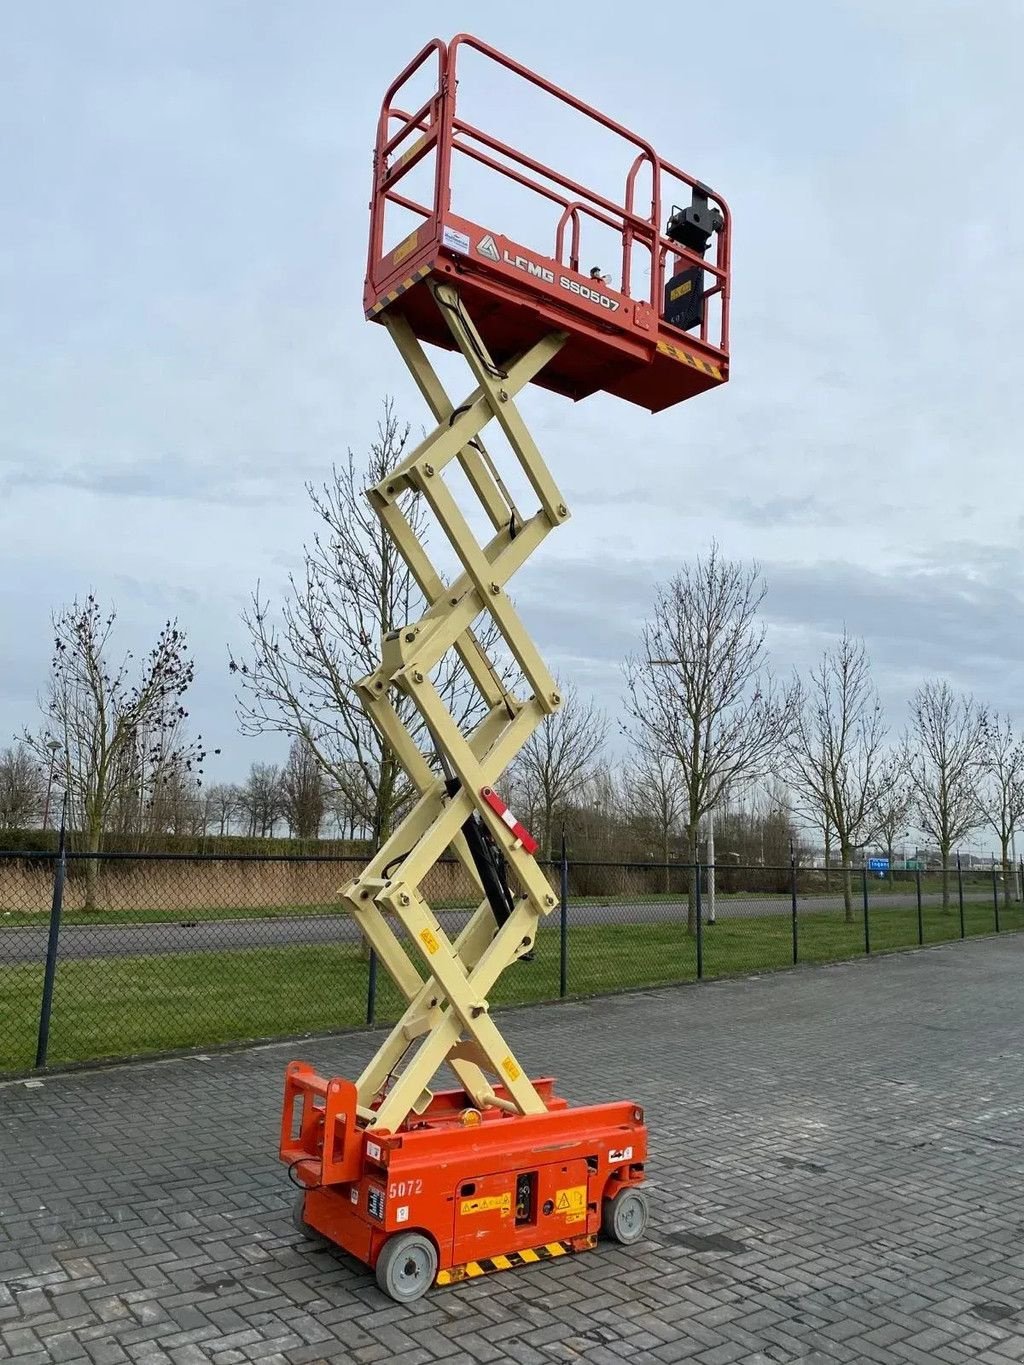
119, 954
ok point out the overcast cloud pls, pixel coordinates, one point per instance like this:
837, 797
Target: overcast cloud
183, 217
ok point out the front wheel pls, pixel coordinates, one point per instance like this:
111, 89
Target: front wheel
624, 1216
407, 1266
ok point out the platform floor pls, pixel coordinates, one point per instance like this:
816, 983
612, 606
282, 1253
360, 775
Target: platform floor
838, 1175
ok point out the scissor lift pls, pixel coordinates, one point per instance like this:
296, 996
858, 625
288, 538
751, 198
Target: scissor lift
439, 1187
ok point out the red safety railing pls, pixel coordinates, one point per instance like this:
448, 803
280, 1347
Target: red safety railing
435, 127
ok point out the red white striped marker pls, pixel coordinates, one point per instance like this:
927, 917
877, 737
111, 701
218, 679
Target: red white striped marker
497, 805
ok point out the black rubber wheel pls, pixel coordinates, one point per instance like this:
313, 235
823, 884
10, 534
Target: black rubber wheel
407, 1266
624, 1216
299, 1219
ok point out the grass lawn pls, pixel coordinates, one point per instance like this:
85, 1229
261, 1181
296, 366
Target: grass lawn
108, 1007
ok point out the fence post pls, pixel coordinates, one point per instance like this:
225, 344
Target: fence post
920, 916
371, 991
960, 894
867, 917
792, 893
563, 923
700, 926
50, 971
995, 895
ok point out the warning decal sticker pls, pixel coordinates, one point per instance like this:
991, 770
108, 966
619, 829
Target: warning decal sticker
429, 939
486, 1204
571, 1204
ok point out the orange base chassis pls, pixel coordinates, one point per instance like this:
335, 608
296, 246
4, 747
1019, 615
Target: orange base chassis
499, 1185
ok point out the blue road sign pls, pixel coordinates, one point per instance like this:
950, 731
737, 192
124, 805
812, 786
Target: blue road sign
878, 864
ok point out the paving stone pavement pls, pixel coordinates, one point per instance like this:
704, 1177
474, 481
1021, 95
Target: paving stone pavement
837, 1163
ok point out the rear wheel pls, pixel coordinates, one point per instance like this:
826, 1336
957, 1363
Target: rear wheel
299, 1217
407, 1266
624, 1216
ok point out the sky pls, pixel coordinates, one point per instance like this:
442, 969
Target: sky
183, 216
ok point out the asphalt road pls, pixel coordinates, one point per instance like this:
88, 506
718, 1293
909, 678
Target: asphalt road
28, 943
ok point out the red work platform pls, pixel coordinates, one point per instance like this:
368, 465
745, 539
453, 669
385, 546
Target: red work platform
620, 341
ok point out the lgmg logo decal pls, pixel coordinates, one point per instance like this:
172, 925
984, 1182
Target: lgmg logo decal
488, 248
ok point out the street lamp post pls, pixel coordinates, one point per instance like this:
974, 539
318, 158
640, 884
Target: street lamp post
54, 746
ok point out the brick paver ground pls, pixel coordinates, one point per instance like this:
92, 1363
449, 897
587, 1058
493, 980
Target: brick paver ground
837, 1175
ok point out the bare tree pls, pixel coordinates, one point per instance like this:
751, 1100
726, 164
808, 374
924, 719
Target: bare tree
944, 761
248, 809
112, 732
894, 804
655, 798
835, 750
22, 788
593, 817
176, 804
1003, 791
557, 760
348, 804
223, 805
302, 786
758, 829
700, 690
262, 799
354, 588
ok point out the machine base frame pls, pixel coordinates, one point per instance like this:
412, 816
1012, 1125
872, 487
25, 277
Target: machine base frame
491, 1190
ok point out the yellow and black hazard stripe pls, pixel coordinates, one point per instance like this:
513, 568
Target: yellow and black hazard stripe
528, 1256
392, 294
688, 358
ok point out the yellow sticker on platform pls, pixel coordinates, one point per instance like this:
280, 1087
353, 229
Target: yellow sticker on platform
405, 248
487, 1204
680, 290
571, 1204
429, 940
